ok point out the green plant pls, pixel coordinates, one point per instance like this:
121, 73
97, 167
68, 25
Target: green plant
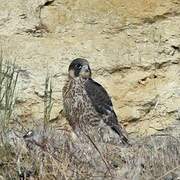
8, 81
47, 101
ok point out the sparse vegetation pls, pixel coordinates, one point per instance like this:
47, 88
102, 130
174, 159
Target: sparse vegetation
45, 152
47, 101
8, 81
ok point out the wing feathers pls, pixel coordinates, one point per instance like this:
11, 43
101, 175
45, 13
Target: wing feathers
99, 97
103, 105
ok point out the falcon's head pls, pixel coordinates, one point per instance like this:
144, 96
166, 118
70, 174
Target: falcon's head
79, 68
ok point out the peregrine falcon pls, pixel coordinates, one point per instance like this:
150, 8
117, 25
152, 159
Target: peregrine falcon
87, 104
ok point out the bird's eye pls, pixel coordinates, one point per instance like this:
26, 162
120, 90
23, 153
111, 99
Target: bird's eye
79, 66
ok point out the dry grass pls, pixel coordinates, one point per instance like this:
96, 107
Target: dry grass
56, 156
156, 157
45, 152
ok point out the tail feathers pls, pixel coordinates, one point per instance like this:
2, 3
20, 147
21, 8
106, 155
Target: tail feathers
122, 134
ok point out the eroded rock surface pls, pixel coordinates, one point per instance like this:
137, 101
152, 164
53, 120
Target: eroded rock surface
133, 48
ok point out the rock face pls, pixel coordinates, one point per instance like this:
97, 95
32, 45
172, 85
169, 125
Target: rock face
133, 48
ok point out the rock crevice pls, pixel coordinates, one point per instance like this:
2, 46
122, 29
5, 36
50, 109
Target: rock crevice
133, 49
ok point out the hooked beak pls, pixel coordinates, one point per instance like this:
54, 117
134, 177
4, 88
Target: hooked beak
85, 69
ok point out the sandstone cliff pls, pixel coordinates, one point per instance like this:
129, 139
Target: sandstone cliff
133, 48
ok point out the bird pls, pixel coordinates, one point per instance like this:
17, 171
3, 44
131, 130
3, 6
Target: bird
87, 105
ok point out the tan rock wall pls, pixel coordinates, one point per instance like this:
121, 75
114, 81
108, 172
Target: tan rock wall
133, 48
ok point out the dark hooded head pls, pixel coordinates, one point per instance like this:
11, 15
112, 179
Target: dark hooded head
79, 68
